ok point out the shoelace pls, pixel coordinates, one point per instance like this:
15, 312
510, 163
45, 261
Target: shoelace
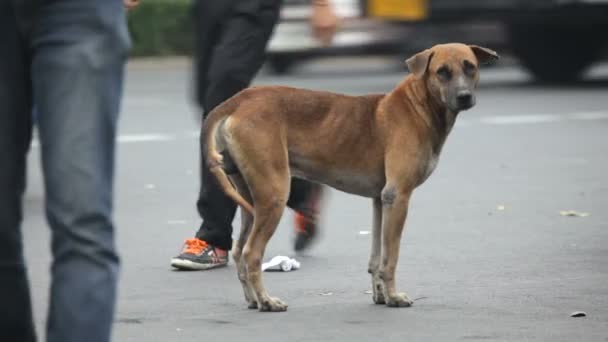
195, 246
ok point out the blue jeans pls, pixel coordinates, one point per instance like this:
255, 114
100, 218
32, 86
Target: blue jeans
67, 57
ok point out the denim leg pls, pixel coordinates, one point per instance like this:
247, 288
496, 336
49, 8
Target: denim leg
79, 49
15, 128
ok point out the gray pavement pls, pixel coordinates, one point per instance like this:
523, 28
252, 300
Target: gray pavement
486, 252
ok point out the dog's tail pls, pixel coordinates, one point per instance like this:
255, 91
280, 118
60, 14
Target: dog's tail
214, 158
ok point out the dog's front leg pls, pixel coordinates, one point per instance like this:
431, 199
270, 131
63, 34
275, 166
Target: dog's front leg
394, 211
374, 259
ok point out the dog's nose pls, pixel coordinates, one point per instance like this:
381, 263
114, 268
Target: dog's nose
464, 99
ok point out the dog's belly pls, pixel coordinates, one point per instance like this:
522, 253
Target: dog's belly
350, 183
357, 183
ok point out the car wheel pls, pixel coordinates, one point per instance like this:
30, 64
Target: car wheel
556, 53
280, 64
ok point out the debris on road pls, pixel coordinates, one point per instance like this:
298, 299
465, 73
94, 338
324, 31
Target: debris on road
500, 207
326, 294
573, 213
281, 263
364, 232
369, 292
578, 314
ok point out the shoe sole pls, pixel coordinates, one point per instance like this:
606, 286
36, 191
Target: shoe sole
183, 264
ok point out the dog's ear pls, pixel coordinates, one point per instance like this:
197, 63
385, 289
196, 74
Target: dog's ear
484, 55
419, 63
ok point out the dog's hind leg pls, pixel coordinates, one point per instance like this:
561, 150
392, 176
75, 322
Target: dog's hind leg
374, 259
237, 251
269, 206
261, 156
269, 190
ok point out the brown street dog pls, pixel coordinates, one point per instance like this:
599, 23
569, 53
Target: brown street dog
377, 146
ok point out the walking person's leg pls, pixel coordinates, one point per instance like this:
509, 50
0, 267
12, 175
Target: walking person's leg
304, 199
236, 58
15, 130
209, 248
230, 60
79, 50
237, 54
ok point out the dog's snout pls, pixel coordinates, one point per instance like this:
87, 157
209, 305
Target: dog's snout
464, 98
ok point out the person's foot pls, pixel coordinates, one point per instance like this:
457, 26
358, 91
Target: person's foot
306, 231
306, 221
199, 255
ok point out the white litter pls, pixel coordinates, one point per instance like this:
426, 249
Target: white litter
573, 213
281, 263
364, 232
578, 314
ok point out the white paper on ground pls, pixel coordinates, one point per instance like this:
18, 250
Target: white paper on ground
281, 263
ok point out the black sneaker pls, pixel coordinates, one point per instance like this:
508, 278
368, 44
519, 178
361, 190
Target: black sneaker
199, 255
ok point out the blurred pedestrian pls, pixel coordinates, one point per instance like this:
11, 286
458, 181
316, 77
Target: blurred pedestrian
67, 57
231, 38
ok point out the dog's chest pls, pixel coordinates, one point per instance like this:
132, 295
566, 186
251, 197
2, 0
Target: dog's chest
429, 166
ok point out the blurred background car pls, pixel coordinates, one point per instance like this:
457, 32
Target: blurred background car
556, 40
293, 41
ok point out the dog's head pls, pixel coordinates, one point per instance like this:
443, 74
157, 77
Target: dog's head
451, 72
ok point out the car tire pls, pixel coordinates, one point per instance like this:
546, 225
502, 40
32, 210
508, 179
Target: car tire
280, 64
556, 53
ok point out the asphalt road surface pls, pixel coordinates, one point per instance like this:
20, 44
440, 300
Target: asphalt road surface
486, 253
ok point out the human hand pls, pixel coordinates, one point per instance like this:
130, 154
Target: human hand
323, 21
131, 4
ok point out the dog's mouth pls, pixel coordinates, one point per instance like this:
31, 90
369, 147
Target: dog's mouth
459, 108
462, 104
465, 107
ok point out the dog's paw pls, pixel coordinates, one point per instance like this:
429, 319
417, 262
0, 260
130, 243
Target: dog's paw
401, 300
378, 297
378, 291
271, 304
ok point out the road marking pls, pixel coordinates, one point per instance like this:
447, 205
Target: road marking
135, 138
129, 138
542, 118
519, 119
588, 116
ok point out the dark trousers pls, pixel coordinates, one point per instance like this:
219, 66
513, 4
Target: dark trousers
230, 49
67, 57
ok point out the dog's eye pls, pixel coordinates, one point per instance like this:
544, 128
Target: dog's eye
469, 68
444, 73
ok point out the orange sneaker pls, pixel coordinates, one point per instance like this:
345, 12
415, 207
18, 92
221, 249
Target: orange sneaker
197, 254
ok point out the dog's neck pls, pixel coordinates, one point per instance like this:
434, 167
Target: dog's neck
429, 111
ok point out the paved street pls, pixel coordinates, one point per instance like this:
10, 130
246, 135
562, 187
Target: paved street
486, 253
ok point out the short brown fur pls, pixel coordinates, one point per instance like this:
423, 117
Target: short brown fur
377, 146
